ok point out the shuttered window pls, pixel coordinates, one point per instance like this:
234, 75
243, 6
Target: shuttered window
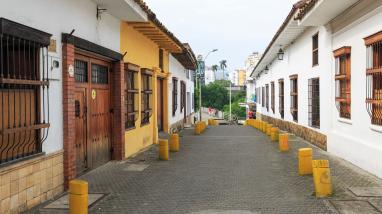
273, 97
315, 50
267, 97
281, 98
131, 95
374, 78
174, 95
24, 91
343, 81
314, 102
294, 97
146, 93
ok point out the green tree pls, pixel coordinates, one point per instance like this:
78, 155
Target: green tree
215, 69
215, 96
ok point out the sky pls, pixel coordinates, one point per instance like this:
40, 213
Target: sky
235, 27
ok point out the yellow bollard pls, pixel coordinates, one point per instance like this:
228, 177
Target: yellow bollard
78, 197
283, 143
274, 134
305, 161
264, 127
163, 150
269, 129
174, 143
322, 178
197, 129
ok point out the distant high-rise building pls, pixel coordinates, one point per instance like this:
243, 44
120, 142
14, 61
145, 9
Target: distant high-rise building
238, 77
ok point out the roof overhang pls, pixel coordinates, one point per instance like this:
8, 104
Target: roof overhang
161, 37
187, 58
125, 10
323, 11
285, 36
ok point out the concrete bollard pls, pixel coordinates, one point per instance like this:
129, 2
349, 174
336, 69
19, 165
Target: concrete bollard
174, 143
322, 178
283, 142
163, 150
269, 130
78, 197
305, 161
197, 129
275, 134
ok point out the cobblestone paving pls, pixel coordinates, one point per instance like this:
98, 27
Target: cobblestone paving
225, 170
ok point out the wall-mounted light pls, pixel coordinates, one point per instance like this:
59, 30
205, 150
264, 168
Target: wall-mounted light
266, 69
100, 11
280, 54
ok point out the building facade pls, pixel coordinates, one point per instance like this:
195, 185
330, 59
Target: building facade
78, 91
239, 77
324, 84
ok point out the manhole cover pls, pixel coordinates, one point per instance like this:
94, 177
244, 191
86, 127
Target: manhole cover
63, 202
354, 207
367, 191
136, 167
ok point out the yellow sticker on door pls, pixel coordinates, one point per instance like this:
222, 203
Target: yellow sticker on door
94, 94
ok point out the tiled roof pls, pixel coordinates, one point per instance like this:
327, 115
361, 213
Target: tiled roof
306, 6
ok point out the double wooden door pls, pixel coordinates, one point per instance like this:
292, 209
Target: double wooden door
92, 112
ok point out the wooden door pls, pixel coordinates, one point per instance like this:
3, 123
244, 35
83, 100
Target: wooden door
100, 121
160, 104
81, 129
183, 97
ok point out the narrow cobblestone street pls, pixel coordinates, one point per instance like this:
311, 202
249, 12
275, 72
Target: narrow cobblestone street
225, 170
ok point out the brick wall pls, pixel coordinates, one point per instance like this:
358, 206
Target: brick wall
69, 116
26, 184
306, 133
119, 111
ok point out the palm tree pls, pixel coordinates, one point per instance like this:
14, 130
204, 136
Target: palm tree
215, 69
223, 66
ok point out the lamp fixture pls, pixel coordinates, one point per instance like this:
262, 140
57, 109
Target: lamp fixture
280, 54
100, 11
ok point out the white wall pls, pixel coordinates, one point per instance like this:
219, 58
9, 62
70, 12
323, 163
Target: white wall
177, 70
298, 60
356, 140
57, 17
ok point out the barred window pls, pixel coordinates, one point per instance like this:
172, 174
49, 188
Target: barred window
374, 78
24, 91
146, 112
131, 95
100, 74
314, 102
294, 97
263, 96
343, 81
267, 97
174, 95
281, 98
273, 97
315, 50
182, 96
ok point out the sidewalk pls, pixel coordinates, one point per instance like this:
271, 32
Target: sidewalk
228, 169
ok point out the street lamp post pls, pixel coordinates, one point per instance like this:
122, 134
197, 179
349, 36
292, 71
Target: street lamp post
200, 83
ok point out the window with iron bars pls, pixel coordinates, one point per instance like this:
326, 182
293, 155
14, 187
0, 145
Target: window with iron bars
131, 95
174, 95
273, 97
146, 112
24, 91
294, 97
267, 97
374, 78
343, 81
315, 50
263, 96
182, 96
314, 102
281, 98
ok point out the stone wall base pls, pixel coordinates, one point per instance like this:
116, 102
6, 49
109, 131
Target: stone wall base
310, 135
28, 183
177, 126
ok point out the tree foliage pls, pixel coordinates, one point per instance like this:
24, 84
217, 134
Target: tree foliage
215, 95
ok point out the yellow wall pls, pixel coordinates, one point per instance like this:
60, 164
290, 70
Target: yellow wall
143, 52
242, 77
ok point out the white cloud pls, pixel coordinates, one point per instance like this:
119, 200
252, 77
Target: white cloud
235, 27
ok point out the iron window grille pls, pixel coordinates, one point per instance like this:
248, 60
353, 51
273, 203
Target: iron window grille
100, 74
24, 91
174, 95
374, 77
131, 95
267, 97
314, 102
80, 71
146, 93
294, 97
343, 81
281, 98
182, 96
315, 50
273, 97
263, 96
